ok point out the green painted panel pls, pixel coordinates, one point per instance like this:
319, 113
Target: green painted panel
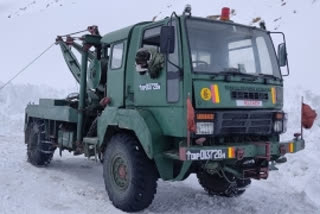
206, 95
172, 120
51, 102
107, 118
117, 35
59, 113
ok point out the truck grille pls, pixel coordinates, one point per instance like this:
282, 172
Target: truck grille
245, 95
245, 122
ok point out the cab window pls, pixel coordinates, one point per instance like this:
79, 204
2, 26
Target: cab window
117, 56
151, 38
173, 73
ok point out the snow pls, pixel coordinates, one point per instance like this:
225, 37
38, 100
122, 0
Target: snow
74, 184
14, 98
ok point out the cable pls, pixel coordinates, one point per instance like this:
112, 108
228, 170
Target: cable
27, 66
70, 34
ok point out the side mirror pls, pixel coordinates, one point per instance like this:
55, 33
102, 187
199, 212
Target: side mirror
282, 55
167, 40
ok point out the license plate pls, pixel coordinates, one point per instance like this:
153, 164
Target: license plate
249, 103
214, 154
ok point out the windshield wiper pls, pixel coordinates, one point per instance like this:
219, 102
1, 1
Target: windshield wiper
233, 71
270, 76
236, 71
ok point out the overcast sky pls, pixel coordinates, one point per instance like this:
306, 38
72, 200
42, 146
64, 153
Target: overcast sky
33, 27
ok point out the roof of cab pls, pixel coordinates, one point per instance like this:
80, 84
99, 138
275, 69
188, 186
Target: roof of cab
119, 35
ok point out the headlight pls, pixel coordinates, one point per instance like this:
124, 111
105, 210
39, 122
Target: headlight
205, 128
278, 126
280, 123
285, 121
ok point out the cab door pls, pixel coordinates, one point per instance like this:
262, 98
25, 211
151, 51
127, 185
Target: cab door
165, 89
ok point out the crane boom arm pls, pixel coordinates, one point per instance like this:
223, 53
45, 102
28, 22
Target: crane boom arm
70, 58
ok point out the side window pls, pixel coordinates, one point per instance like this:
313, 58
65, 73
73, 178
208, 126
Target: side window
173, 73
117, 55
265, 59
151, 38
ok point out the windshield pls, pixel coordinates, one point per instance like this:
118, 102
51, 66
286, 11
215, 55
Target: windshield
220, 47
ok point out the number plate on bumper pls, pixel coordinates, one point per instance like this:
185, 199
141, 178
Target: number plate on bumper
265, 150
214, 154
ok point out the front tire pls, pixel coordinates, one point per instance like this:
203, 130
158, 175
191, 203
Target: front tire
130, 176
39, 149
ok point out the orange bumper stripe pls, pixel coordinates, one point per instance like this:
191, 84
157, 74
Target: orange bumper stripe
274, 95
215, 93
291, 147
231, 152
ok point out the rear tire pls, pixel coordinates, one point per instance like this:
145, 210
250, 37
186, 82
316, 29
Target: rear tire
130, 177
219, 185
39, 149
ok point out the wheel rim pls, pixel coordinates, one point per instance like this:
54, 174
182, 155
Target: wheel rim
120, 172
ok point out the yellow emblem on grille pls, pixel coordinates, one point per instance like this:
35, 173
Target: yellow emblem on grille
205, 94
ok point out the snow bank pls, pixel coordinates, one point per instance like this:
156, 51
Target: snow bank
13, 100
302, 171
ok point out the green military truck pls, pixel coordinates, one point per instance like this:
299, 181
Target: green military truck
166, 99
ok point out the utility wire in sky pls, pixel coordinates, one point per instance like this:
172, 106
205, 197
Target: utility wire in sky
27, 66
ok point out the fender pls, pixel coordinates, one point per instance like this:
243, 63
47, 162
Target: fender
140, 121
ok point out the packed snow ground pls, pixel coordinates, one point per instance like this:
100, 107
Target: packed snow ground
75, 185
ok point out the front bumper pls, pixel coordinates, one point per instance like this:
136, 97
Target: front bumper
239, 151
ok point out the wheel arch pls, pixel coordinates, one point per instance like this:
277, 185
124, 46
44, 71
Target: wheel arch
141, 123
